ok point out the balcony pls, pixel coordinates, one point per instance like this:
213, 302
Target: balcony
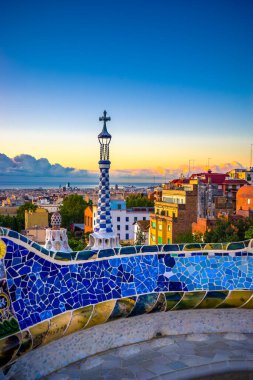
160, 217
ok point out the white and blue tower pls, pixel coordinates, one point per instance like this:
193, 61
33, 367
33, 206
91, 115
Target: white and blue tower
103, 235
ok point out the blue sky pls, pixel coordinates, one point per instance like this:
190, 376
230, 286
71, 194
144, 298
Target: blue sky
175, 76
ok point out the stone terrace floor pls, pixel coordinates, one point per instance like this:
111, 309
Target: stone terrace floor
196, 356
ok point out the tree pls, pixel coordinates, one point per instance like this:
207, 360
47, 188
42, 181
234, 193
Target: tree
249, 233
242, 225
138, 200
9, 222
223, 231
72, 210
76, 244
188, 237
228, 231
140, 237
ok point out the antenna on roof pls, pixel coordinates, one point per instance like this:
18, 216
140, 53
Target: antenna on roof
189, 168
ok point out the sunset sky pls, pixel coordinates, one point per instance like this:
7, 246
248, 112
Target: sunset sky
176, 78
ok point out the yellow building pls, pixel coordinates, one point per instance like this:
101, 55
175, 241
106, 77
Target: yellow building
175, 211
38, 218
244, 174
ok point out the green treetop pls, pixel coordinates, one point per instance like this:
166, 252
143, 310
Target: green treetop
72, 210
138, 200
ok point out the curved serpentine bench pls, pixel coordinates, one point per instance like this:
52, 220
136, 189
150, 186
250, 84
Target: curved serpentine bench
45, 295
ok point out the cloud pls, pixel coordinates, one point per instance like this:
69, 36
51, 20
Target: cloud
28, 166
171, 173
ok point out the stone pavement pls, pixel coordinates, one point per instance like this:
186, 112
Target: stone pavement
174, 358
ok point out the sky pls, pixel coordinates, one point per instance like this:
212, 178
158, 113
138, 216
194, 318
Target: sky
175, 76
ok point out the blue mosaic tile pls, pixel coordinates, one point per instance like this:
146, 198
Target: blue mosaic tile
149, 248
234, 246
106, 253
127, 250
85, 255
170, 248
13, 234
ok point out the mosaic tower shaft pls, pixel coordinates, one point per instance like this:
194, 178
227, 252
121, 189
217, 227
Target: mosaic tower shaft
104, 219
103, 236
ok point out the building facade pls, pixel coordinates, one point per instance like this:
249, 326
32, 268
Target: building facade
228, 186
175, 211
123, 219
37, 218
88, 220
244, 201
244, 174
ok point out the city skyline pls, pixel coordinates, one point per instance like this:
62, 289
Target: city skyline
176, 80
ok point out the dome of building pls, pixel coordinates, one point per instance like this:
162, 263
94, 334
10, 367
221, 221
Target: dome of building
56, 220
244, 201
245, 192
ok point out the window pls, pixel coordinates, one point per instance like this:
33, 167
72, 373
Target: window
160, 240
118, 227
119, 207
127, 227
168, 241
153, 224
168, 227
160, 227
127, 236
153, 237
144, 218
248, 201
118, 218
135, 219
127, 218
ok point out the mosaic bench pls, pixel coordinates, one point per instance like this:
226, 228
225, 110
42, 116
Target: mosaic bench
46, 295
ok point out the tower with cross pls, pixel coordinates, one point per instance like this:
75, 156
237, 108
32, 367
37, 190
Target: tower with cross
103, 236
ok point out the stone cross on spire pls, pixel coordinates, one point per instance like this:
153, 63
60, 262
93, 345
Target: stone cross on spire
104, 118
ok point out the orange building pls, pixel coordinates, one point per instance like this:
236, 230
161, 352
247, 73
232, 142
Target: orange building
202, 225
88, 220
244, 201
